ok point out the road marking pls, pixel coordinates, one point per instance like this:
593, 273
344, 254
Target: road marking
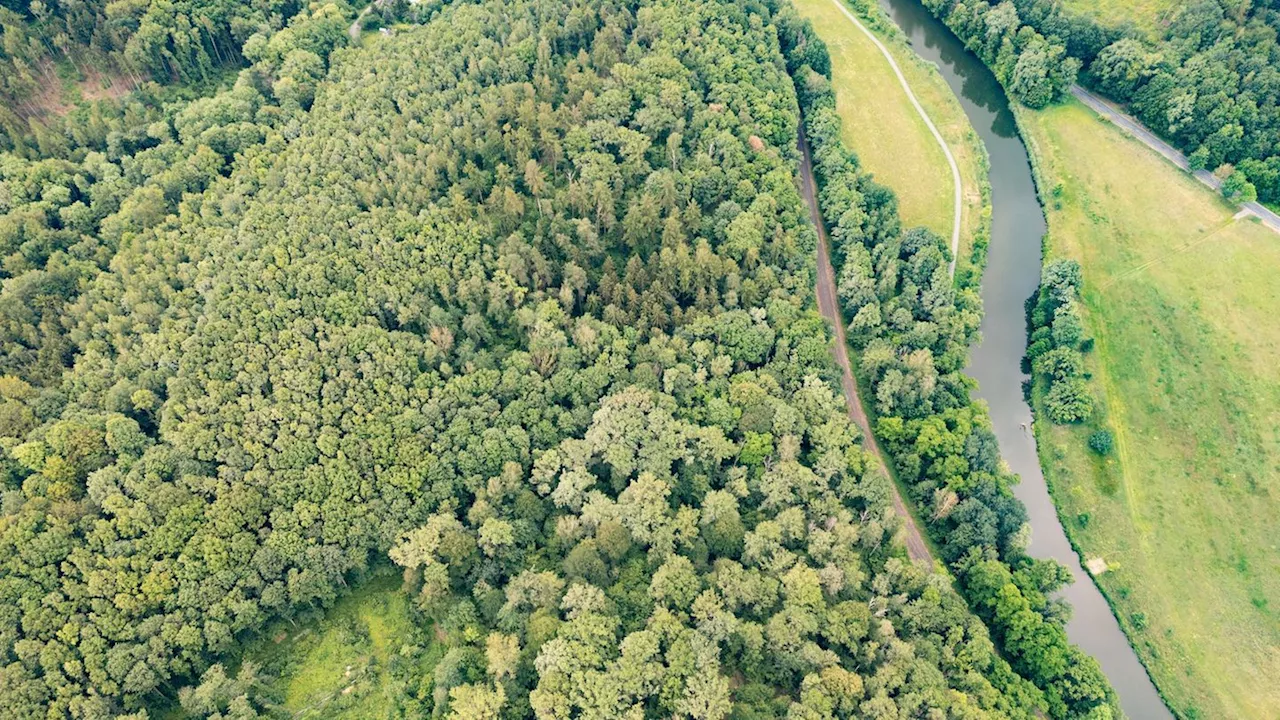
955, 170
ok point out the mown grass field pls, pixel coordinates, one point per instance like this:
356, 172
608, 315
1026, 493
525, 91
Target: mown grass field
890, 138
1145, 15
1183, 301
367, 657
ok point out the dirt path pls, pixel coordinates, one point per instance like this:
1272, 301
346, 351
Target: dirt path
906, 87
1128, 123
354, 30
917, 549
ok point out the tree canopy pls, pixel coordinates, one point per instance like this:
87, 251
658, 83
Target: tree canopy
519, 299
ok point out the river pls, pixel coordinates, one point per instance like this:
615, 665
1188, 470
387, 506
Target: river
1012, 274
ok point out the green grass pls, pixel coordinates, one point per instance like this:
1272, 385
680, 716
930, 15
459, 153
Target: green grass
890, 138
1183, 302
1145, 15
368, 657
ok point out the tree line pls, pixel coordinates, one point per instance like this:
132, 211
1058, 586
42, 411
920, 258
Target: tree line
520, 300
911, 329
1057, 337
1207, 81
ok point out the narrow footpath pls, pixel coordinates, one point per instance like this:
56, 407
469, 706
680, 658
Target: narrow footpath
906, 87
354, 31
1130, 124
828, 306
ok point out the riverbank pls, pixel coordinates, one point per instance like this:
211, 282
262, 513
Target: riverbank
1012, 275
1179, 297
891, 139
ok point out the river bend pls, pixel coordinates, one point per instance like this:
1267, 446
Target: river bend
1012, 275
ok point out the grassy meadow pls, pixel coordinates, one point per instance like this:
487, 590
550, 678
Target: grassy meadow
1145, 15
1182, 300
367, 657
892, 141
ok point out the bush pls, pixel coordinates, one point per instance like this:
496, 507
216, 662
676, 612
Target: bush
1101, 442
1068, 402
1237, 188
1060, 363
1038, 348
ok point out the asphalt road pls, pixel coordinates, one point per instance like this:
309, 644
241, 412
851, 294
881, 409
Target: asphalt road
1112, 112
917, 549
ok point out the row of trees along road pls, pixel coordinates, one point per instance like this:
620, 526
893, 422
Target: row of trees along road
520, 300
1207, 80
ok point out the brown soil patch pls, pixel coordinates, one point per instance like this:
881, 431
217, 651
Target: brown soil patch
53, 99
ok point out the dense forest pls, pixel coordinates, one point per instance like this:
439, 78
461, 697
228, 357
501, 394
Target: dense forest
520, 301
1210, 83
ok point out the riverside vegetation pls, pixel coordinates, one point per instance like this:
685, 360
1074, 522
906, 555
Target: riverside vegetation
1159, 451
911, 328
1169, 477
1206, 80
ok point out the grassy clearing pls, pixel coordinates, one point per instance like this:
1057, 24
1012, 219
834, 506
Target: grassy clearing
1182, 301
1145, 15
367, 657
890, 138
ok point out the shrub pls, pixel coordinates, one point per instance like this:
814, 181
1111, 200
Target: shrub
1060, 363
1038, 348
1101, 442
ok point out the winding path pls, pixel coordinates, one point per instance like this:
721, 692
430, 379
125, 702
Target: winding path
917, 548
955, 170
354, 31
1130, 124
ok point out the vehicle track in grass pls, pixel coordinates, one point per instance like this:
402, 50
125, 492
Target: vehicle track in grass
946, 151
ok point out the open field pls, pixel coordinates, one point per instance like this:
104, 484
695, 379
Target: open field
1182, 300
890, 138
364, 658
1145, 15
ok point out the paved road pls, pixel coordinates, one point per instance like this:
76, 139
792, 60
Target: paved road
917, 549
1115, 114
955, 170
